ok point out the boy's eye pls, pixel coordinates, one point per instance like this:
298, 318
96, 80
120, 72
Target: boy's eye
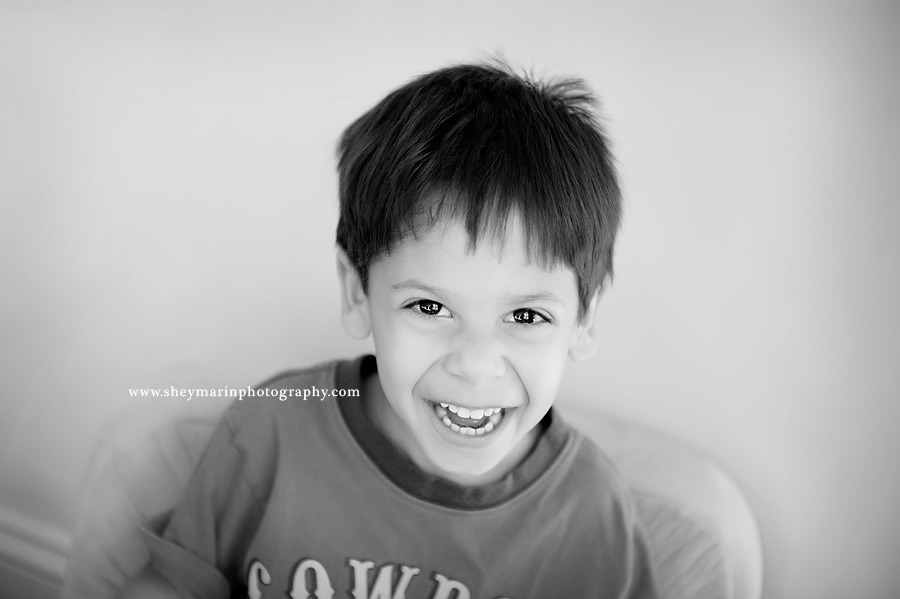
427, 307
528, 316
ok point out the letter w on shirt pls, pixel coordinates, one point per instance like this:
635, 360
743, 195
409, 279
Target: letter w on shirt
381, 589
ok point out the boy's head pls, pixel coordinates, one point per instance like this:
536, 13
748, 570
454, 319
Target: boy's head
478, 144
478, 216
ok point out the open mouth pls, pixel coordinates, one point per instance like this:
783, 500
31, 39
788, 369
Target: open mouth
465, 421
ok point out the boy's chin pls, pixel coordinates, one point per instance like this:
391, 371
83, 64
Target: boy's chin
467, 459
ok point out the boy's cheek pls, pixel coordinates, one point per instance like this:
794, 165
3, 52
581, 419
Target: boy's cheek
542, 373
406, 354
540, 352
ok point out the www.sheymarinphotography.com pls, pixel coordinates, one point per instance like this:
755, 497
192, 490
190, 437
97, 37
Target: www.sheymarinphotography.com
245, 392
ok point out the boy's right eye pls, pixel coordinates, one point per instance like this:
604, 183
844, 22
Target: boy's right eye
426, 307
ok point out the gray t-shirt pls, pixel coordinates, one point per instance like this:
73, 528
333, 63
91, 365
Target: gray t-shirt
305, 498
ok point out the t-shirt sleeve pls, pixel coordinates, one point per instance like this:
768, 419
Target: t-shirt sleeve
199, 546
618, 540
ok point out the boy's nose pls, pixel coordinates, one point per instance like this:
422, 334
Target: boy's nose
477, 357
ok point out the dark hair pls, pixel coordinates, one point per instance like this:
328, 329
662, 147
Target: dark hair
480, 143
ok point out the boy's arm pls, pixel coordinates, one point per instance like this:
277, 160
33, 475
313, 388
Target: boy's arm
197, 549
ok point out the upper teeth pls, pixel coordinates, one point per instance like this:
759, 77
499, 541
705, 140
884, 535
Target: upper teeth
477, 414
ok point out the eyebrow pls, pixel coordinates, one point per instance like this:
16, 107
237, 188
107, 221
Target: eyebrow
542, 296
413, 285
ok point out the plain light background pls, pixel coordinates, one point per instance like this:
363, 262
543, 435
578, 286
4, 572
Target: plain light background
168, 207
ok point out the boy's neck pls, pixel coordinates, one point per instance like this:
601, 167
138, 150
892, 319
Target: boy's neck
386, 421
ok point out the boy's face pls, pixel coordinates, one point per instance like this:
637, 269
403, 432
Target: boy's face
471, 348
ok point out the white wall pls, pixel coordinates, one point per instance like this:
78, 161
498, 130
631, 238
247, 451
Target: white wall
168, 204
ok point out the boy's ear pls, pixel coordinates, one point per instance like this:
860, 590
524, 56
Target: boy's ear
584, 338
354, 303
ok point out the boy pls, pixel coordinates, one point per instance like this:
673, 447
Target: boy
478, 213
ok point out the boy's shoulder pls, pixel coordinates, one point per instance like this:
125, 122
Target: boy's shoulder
296, 397
587, 471
290, 418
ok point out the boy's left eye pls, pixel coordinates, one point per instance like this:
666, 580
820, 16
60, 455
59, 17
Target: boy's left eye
527, 316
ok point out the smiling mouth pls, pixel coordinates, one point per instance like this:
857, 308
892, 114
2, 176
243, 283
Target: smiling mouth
464, 421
